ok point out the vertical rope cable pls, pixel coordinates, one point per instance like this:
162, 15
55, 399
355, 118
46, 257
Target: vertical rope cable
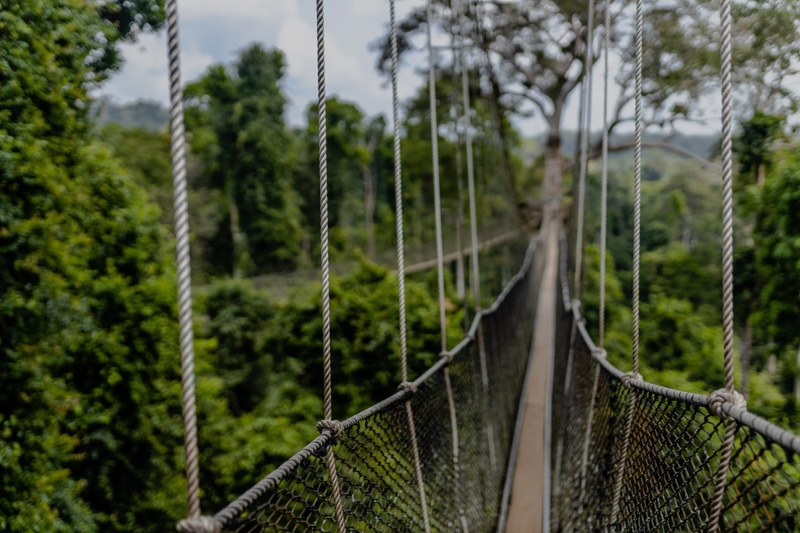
439, 254
726, 21
586, 129
473, 222
637, 218
604, 185
401, 269
637, 184
325, 265
181, 202
437, 204
603, 229
398, 201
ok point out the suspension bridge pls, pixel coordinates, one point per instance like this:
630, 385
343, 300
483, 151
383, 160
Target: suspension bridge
524, 425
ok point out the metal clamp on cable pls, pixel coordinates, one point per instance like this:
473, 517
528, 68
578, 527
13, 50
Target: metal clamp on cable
408, 385
600, 353
201, 524
336, 427
720, 397
628, 376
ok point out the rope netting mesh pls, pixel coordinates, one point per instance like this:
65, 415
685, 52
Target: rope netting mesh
374, 454
673, 451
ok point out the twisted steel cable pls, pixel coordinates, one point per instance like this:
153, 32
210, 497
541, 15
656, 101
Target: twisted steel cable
604, 185
398, 199
401, 274
437, 203
181, 203
473, 223
439, 253
637, 220
637, 184
603, 232
726, 67
586, 129
325, 264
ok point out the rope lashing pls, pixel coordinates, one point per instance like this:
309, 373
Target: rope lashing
334, 426
183, 260
409, 386
200, 524
726, 67
722, 396
439, 253
586, 130
401, 274
627, 377
325, 264
637, 222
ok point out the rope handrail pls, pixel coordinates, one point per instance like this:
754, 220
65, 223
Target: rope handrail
231, 515
675, 443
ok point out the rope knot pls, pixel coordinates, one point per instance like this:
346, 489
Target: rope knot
408, 385
201, 524
720, 397
628, 376
336, 427
600, 353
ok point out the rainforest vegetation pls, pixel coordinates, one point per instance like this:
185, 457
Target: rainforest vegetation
90, 417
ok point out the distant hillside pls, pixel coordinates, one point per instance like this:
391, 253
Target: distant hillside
704, 146
145, 114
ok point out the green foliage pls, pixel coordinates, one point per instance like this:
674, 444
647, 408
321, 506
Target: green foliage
235, 117
754, 143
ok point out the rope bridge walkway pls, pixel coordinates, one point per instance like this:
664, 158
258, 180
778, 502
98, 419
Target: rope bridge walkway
374, 449
619, 453
672, 456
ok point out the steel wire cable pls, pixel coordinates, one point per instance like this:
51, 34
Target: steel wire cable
324, 259
183, 260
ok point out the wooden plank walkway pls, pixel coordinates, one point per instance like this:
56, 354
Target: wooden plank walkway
528, 510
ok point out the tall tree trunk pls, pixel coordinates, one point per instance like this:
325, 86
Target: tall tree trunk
744, 357
237, 238
369, 197
553, 165
369, 211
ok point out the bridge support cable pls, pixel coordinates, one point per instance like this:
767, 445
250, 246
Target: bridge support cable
729, 393
603, 238
437, 203
475, 269
637, 222
327, 423
586, 133
183, 261
401, 283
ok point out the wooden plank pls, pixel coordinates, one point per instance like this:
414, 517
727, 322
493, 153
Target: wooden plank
527, 510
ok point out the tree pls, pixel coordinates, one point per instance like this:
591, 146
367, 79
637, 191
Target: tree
88, 342
235, 118
777, 256
536, 52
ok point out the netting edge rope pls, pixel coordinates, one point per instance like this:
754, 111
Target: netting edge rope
228, 514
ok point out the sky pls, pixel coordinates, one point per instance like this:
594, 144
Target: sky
212, 31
